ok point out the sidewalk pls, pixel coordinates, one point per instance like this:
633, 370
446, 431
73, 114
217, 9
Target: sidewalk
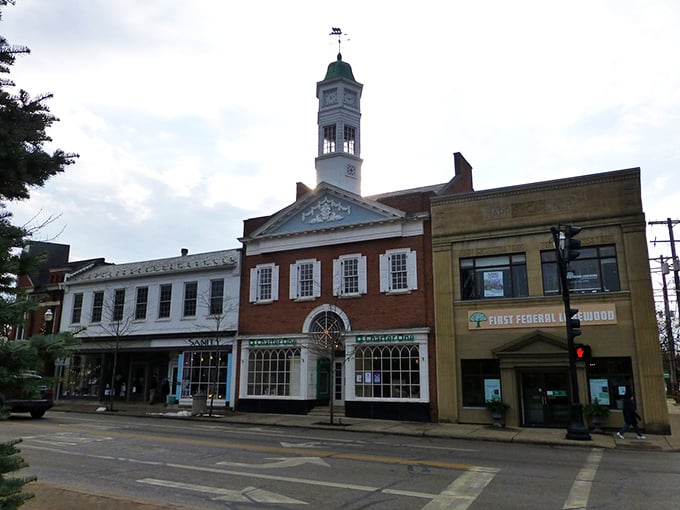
60, 498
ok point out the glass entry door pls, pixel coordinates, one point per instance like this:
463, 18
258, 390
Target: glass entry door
545, 398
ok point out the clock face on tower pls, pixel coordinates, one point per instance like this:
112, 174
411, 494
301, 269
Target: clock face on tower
350, 98
330, 97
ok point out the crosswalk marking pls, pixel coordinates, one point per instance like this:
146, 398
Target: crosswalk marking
580, 489
463, 491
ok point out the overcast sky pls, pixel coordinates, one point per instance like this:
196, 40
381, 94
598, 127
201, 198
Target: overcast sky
190, 117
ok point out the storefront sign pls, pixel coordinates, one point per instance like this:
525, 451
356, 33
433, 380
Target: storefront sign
203, 342
361, 339
544, 317
272, 341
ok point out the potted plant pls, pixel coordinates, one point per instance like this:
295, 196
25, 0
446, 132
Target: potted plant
596, 412
497, 408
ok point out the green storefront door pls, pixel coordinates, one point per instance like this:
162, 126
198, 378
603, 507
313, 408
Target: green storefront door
323, 379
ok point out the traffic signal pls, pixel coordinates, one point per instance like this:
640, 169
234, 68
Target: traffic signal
573, 323
571, 247
582, 352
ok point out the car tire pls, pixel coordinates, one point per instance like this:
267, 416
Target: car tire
37, 414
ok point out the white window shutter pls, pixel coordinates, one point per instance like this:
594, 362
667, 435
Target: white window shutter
293, 285
384, 272
411, 275
337, 277
363, 288
316, 275
253, 284
275, 283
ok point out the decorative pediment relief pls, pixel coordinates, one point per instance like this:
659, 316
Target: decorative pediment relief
537, 343
326, 210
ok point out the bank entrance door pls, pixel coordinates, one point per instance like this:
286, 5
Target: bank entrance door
545, 398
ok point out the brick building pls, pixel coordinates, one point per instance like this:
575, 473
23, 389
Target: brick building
336, 289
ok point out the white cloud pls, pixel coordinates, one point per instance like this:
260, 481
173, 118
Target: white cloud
190, 119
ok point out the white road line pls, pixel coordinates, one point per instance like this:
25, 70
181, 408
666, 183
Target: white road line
580, 489
457, 496
247, 495
463, 491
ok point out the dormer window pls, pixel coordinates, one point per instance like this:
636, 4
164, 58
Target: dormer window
329, 139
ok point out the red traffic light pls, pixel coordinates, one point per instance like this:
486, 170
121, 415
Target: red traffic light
582, 352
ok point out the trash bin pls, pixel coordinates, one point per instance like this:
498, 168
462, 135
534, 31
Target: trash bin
199, 404
172, 400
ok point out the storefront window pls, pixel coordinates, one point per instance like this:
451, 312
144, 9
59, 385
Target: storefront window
83, 379
609, 379
274, 372
205, 372
387, 371
500, 276
478, 377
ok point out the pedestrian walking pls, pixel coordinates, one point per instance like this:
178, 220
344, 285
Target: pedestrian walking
153, 385
165, 390
630, 417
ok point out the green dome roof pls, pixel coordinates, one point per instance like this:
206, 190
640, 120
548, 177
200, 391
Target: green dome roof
339, 69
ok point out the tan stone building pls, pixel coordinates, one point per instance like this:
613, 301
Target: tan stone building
499, 314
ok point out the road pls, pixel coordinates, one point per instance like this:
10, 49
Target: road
203, 465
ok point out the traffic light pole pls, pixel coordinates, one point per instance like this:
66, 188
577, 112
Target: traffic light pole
576, 429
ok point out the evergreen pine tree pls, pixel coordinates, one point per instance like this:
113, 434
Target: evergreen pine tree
11, 495
24, 164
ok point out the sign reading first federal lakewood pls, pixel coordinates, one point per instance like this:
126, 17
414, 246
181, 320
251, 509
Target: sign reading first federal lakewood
544, 317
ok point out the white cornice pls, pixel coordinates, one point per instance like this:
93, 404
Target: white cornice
336, 236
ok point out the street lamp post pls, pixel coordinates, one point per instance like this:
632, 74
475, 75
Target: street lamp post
49, 316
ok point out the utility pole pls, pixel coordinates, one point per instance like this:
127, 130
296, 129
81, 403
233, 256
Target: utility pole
676, 278
669, 331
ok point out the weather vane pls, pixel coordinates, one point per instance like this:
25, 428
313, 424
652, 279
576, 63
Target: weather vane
338, 31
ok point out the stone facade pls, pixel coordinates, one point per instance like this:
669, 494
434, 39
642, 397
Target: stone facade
516, 346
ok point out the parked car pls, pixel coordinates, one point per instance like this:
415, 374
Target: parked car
34, 398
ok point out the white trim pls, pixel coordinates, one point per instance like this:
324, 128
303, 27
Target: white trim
346, 235
411, 271
253, 293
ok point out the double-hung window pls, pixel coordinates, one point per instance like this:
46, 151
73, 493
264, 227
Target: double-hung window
164, 301
217, 296
305, 279
498, 276
97, 306
595, 270
264, 283
398, 271
190, 298
141, 303
118, 305
349, 275
77, 308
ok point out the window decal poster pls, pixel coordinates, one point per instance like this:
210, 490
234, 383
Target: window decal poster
493, 284
492, 389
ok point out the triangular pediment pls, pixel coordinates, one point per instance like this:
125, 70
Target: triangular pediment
327, 207
532, 344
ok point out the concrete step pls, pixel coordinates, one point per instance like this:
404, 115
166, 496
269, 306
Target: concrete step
326, 411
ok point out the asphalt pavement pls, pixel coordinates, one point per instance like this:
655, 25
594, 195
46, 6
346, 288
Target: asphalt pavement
64, 498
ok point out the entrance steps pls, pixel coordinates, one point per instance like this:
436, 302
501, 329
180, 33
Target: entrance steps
325, 411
